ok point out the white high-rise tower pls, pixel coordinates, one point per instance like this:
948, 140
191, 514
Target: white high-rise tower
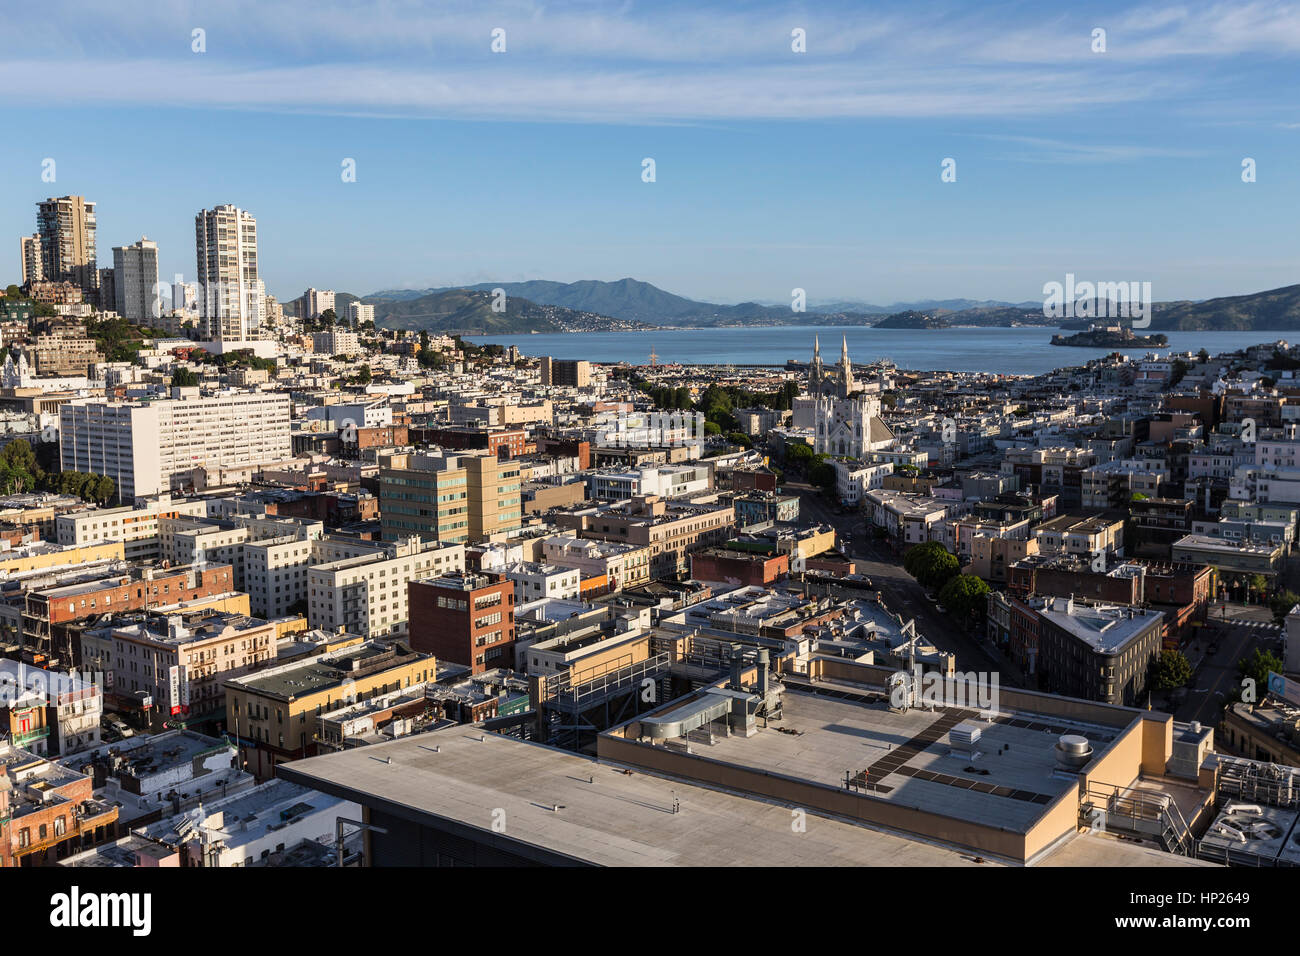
229, 289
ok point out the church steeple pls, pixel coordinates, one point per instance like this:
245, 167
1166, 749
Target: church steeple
815, 367
846, 367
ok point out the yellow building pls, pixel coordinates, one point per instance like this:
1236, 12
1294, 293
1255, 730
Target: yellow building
274, 712
45, 555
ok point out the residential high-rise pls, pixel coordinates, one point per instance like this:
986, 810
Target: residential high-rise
135, 279
32, 269
149, 447
67, 229
316, 301
106, 296
575, 373
359, 312
230, 292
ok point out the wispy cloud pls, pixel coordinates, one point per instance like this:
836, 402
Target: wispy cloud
1080, 151
631, 62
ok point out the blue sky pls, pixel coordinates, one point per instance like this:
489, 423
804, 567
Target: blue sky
775, 169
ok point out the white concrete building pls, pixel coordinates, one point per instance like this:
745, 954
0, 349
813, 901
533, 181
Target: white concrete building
152, 446
135, 282
247, 827
231, 294
316, 301
337, 341
533, 581
77, 703
137, 528
666, 481
366, 594
853, 481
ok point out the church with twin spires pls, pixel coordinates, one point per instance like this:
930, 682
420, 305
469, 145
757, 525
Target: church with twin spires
844, 416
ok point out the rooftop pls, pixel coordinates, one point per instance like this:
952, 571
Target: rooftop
619, 818
1106, 627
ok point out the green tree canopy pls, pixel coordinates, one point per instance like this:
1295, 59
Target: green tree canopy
1171, 669
19, 470
966, 596
1257, 666
931, 564
1281, 603
798, 453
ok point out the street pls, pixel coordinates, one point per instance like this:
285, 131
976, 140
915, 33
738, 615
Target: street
901, 592
1215, 676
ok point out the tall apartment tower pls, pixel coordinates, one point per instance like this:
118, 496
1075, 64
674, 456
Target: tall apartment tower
230, 292
316, 301
67, 229
135, 280
32, 270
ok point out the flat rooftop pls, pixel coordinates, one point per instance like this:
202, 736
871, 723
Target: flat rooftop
316, 674
1106, 628
906, 758
609, 816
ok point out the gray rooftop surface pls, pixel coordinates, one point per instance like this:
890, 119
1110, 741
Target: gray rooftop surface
837, 735
619, 820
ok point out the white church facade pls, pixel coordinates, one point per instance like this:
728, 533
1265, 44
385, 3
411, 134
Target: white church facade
844, 416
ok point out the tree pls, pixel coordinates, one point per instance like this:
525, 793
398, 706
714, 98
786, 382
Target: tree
713, 428
184, 378
19, 470
102, 488
1257, 666
931, 564
329, 318
1203, 355
822, 473
1177, 373
1281, 603
363, 375
13, 292
796, 453
739, 438
1170, 670
966, 596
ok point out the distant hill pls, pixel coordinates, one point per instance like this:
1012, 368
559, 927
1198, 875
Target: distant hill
1274, 309
912, 319
470, 312
637, 303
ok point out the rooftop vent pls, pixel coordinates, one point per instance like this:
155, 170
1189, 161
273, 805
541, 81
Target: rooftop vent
1072, 752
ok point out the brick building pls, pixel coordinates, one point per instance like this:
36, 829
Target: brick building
464, 618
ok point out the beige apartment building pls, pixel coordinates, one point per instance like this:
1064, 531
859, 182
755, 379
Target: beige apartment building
449, 497
181, 660
136, 528
367, 594
275, 713
622, 565
670, 530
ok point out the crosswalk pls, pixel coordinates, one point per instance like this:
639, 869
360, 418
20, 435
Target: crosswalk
1264, 625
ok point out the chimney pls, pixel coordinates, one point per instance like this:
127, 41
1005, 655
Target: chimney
763, 676
737, 662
